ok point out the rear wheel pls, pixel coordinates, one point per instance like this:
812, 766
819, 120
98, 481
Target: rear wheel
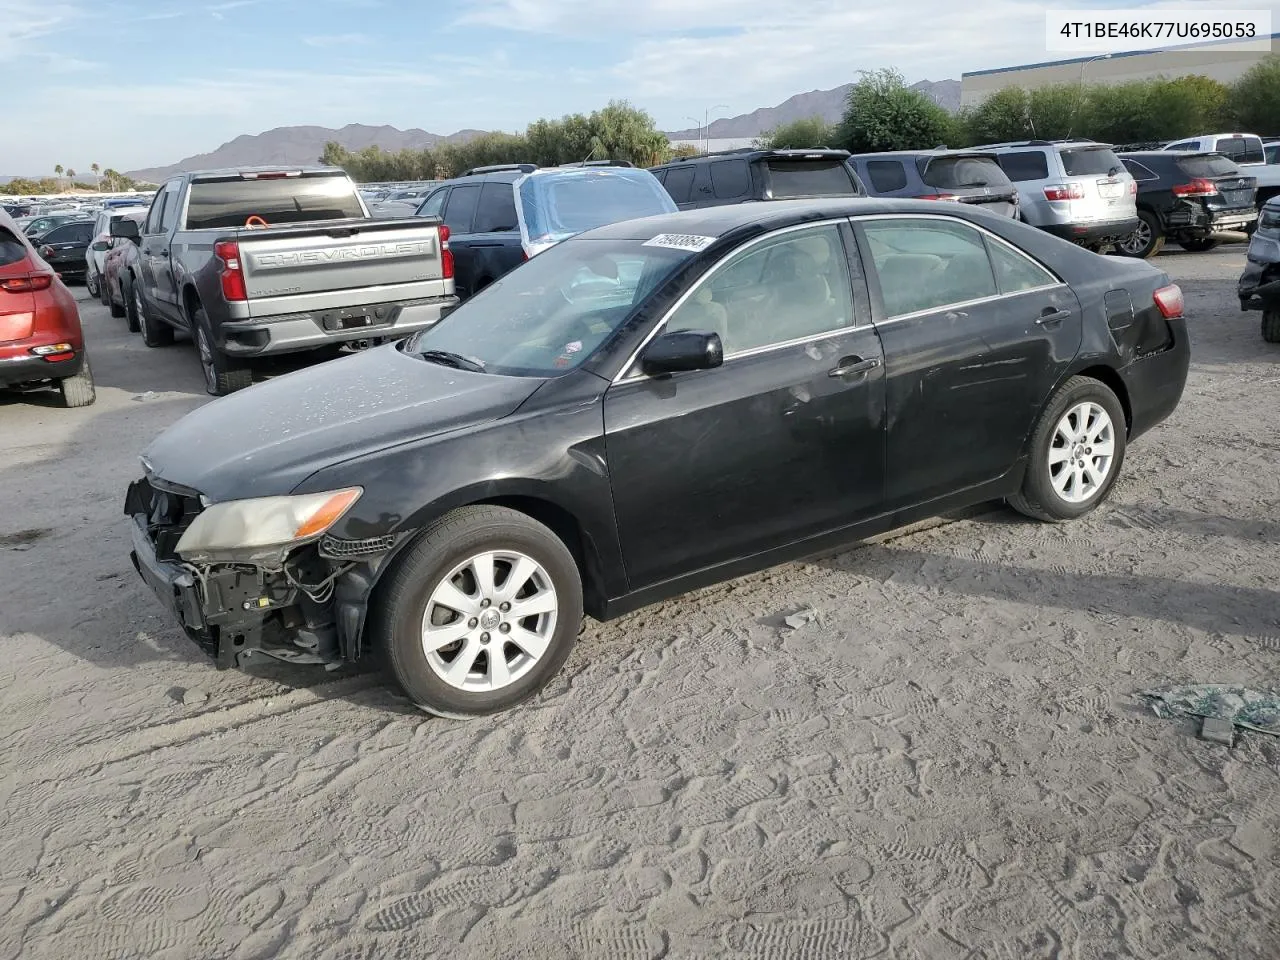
222, 374
1146, 241
1076, 453
78, 391
155, 333
1271, 325
480, 614
1198, 244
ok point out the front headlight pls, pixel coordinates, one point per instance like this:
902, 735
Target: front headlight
250, 526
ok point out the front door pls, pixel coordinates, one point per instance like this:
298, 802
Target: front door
975, 336
782, 442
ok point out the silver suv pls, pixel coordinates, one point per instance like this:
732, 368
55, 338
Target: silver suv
1076, 189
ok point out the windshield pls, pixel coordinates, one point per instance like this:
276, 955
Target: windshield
1091, 161
952, 173
558, 204
809, 178
217, 204
550, 314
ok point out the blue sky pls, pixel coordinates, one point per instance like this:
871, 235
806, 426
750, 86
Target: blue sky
128, 84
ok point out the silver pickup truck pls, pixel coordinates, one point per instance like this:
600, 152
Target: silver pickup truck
260, 262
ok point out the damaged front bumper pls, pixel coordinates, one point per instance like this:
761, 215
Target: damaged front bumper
310, 608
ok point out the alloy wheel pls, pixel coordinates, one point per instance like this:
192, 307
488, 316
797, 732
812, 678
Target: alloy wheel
489, 621
1138, 241
206, 358
1081, 452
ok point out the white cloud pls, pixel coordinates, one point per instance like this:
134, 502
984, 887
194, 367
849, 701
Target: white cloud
23, 22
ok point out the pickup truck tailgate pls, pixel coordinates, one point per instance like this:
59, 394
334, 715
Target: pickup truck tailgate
340, 265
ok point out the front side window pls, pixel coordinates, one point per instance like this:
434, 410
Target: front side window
886, 175
171, 205
789, 288
156, 212
928, 264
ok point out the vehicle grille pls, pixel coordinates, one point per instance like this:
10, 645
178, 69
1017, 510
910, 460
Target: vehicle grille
337, 547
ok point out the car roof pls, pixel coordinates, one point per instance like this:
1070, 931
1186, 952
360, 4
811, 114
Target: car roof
936, 152
264, 168
722, 220
756, 153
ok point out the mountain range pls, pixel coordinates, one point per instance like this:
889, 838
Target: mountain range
299, 145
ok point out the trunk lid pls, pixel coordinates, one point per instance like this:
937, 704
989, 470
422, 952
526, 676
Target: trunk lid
1107, 185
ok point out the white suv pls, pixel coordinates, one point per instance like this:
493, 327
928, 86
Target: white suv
1076, 189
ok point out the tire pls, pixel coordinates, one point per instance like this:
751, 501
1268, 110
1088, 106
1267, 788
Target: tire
445, 558
222, 374
118, 310
1198, 244
1271, 325
155, 333
130, 308
1049, 466
78, 391
92, 285
104, 295
1145, 242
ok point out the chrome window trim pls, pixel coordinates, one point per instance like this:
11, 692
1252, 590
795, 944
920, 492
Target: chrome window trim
991, 237
661, 324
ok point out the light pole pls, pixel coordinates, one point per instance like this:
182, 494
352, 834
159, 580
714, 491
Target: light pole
706, 122
697, 126
1080, 89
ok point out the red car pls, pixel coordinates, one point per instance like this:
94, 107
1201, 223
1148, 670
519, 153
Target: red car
41, 343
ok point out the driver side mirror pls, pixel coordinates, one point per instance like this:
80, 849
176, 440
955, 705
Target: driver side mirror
101, 245
126, 229
683, 350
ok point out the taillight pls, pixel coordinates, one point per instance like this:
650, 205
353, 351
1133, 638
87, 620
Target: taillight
446, 254
1133, 188
1199, 187
37, 281
232, 274
1064, 191
1169, 301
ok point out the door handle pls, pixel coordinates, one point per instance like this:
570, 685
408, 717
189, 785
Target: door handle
165, 254
854, 365
1050, 316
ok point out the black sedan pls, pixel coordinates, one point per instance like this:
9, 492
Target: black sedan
641, 410
66, 247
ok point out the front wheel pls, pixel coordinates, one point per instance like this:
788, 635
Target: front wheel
1076, 452
78, 391
222, 374
93, 285
1271, 325
480, 614
1146, 241
1198, 244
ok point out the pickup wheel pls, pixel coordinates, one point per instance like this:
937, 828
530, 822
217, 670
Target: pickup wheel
480, 613
1271, 325
1198, 244
1076, 453
1145, 242
222, 374
155, 333
78, 391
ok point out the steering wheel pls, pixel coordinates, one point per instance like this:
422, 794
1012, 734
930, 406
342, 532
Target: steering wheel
256, 222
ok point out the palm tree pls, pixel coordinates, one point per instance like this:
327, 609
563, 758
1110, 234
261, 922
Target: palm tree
71, 179
95, 168
58, 170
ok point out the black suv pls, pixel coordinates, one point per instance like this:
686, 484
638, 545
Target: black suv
736, 176
964, 176
479, 208
1187, 198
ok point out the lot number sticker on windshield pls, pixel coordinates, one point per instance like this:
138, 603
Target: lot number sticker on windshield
680, 241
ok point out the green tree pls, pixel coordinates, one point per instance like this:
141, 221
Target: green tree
1254, 100
883, 113
807, 132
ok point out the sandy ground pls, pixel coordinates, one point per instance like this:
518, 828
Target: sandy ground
948, 762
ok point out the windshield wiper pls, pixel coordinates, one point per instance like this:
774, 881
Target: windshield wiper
447, 358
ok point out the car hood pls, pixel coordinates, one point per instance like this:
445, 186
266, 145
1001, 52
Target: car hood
267, 439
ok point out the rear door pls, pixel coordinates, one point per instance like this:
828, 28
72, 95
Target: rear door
976, 334
459, 216
495, 238
166, 284
679, 183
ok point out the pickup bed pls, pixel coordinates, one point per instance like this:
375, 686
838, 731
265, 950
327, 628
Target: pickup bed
255, 263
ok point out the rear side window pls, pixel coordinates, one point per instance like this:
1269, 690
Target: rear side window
1242, 149
730, 179
216, 204
954, 173
809, 178
679, 183
434, 204
1094, 161
1022, 165
1139, 171
928, 264
11, 249
1014, 272
1208, 165
497, 211
886, 175
660, 174
460, 210
1184, 145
